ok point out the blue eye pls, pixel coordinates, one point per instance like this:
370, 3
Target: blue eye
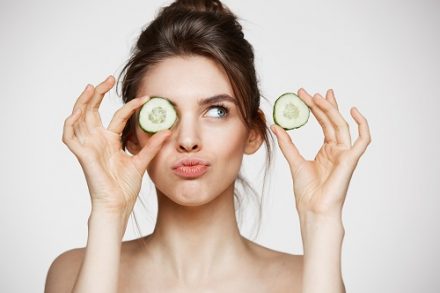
217, 111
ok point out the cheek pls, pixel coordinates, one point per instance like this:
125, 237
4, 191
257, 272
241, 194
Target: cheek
141, 136
158, 165
227, 146
152, 168
226, 141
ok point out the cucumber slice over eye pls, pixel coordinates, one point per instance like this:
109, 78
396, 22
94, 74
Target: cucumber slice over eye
157, 114
290, 112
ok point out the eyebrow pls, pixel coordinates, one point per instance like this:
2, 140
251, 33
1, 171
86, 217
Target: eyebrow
217, 98
212, 100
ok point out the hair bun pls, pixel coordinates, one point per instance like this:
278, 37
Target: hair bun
212, 6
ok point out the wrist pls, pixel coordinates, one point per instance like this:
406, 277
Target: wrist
111, 210
322, 226
322, 237
329, 217
108, 220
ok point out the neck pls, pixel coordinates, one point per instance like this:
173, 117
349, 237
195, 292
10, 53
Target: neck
196, 240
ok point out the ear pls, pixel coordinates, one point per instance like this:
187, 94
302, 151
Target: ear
255, 139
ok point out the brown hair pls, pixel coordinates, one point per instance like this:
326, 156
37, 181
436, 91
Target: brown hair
206, 28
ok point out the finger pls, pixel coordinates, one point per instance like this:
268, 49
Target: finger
341, 127
100, 92
305, 96
364, 139
92, 116
68, 137
330, 96
81, 104
121, 116
288, 148
143, 158
84, 98
326, 125
81, 130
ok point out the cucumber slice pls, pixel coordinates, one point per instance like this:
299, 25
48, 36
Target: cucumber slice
290, 112
157, 114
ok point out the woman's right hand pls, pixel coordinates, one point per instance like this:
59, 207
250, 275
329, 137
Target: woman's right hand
114, 178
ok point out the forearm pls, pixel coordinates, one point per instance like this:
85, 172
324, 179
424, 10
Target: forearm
100, 269
322, 242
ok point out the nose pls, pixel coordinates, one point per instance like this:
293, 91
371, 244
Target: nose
188, 136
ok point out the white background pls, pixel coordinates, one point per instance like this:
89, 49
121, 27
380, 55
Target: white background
381, 56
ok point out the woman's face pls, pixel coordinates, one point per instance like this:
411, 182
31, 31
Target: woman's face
207, 129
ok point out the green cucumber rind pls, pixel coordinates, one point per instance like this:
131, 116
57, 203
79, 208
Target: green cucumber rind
278, 123
151, 98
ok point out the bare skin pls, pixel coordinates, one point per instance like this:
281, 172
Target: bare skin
196, 245
259, 270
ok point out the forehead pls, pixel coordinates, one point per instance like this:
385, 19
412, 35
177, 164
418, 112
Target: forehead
185, 78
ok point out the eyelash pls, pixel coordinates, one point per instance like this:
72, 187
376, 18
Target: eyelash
222, 106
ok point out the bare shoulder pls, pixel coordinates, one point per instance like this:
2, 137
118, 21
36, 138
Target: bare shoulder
63, 271
282, 271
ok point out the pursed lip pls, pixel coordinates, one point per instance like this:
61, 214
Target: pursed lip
190, 168
188, 162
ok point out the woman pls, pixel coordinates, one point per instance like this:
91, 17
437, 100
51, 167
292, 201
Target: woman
194, 53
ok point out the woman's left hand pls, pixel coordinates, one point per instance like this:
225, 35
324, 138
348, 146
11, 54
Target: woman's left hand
320, 185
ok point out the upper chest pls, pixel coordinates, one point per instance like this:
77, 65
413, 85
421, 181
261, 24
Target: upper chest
233, 285
272, 278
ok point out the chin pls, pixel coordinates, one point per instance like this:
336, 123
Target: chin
187, 201
190, 195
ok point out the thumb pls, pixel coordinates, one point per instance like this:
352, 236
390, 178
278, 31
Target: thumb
288, 148
154, 144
